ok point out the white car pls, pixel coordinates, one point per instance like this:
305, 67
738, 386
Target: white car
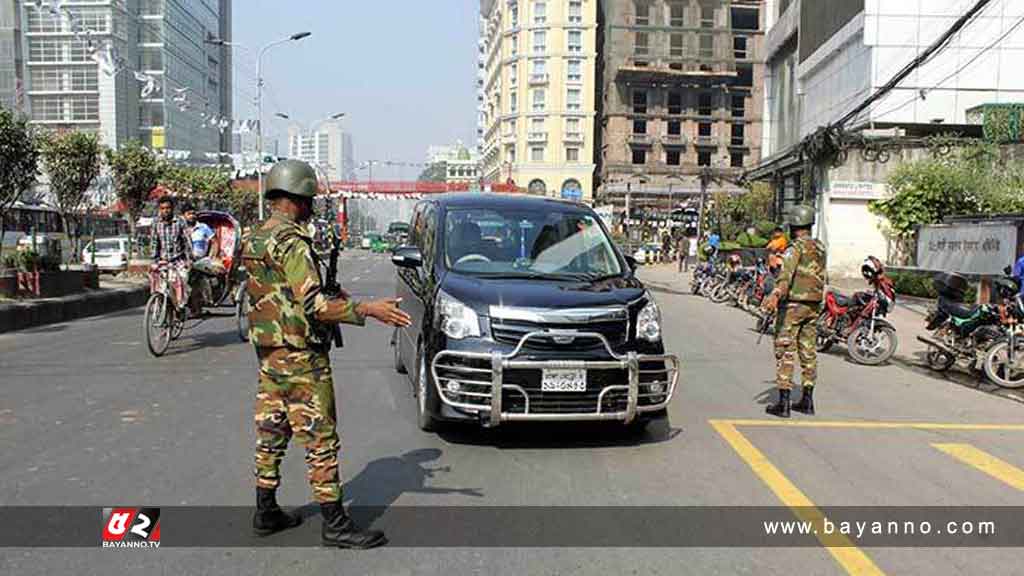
111, 253
648, 253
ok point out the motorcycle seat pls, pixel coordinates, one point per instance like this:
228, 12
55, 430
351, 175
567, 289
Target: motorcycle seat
842, 300
957, 310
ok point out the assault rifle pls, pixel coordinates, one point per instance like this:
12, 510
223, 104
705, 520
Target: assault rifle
332, 288
764, 325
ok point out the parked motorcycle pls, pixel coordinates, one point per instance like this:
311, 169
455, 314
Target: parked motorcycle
959, 333
759, 286
859, 320
1004, 361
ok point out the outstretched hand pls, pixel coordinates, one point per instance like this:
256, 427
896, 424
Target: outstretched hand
386, 310
771, 303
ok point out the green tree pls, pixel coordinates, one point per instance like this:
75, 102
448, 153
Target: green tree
436, 172
19, 163
72, 161
137, 171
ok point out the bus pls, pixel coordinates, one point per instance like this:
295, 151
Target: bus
23, 219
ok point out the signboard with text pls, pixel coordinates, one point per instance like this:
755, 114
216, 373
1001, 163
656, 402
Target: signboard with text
967, 248
856, 190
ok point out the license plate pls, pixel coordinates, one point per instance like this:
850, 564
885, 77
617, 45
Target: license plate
563, 381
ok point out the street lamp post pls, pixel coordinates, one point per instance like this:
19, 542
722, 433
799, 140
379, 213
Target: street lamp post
259, 99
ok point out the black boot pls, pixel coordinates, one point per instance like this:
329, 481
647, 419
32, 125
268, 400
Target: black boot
339, 530
780, 409
269, 517
806, 403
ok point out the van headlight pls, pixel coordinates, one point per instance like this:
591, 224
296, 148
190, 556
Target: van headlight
458, 321
648, 323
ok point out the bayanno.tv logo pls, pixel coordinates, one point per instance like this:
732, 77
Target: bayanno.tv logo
131, 527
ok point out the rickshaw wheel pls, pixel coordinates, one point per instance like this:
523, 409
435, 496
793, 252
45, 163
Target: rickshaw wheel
242, 312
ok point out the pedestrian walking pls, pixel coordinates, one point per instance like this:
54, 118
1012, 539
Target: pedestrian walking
682, 252
797, 298
291, 321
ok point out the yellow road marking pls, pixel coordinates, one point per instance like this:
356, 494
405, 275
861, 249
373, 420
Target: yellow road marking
987, 463
870, 425
851, 558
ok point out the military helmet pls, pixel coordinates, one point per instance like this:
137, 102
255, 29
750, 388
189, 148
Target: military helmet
293, 177
800, 216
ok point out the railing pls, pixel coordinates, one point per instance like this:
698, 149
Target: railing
541, 78
537, 136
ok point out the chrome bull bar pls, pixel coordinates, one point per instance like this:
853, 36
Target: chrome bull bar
490, 404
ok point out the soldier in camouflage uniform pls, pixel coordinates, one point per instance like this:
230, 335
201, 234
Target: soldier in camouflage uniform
290, 321
800, 288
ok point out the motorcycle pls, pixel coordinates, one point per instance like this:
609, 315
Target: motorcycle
757, 288
959, 333
732, 286
858, 320
1004, 361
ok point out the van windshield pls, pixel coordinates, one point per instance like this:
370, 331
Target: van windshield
486, 242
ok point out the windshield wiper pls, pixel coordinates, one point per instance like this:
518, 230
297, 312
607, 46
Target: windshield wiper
523, 276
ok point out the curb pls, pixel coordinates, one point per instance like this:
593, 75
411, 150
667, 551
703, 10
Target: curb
21, 315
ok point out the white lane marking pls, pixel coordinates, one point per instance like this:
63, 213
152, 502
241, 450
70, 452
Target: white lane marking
356, 279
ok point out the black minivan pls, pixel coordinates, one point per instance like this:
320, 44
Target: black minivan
524, 310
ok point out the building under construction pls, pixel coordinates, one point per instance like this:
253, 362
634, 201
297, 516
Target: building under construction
680, 97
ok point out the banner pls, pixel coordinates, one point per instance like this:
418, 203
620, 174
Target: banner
983, 249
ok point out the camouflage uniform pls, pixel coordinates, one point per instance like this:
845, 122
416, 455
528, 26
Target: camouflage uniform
801, 287
288, 319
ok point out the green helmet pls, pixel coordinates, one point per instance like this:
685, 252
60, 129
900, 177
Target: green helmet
293, 177
800, 216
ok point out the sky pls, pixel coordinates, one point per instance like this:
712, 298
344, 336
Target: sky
403, 71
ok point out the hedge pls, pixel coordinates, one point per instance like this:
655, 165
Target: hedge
919, 284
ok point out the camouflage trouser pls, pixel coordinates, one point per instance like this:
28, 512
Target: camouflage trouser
296, 396
795, 336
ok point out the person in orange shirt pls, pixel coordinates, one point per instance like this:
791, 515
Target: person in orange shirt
776, 248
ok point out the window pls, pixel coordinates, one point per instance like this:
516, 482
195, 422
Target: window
513, 102
672, 157
575, 41
511, 154
640, 47
513, 74
707, 17
739, 105
675, 128
539, 67
539, 98
745, 75
736, 159
540, 41
639, 156
745, 18
572, 126
639, 126
703, 158
573, 100
739, 47
737, 135
704, 129
572, 154
643, 13
513, 15
536, 124
575, 11
707, 45
514, 40
540, 12
675, 103
676, 46
677, 13
704, 105
639, 102
537, 154
574, 71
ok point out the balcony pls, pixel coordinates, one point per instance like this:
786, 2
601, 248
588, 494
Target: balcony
575, 136
539, 79
539, 137
641, 139
677, 140
707, 141
738, 143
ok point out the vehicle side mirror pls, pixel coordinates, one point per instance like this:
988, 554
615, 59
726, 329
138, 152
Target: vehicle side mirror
407, 257
632, 262
1008, 271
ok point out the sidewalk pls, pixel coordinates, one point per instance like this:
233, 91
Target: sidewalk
113, 295
907, 318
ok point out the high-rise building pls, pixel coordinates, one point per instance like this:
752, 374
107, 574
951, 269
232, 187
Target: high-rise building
65, 87
11, 78
326, 146
681, 95
538, 101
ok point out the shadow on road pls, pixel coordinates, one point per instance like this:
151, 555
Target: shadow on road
559, 435
198, 339
379, 485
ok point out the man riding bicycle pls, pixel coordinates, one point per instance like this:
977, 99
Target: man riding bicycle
170, 244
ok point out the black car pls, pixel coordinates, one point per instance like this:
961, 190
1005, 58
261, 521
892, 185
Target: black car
523, 309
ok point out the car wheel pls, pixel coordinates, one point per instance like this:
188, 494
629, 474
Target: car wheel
424, 419
396, 344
